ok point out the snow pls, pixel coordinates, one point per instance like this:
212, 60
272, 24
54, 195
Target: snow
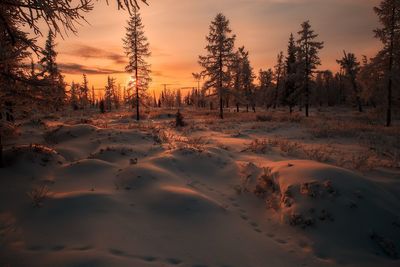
150, 195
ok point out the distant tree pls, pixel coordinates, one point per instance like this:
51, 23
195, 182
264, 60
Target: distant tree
291, 67
308, 58
351, 67
372, 80
279, 75
109, 93
218, 59
84, 92
93, 97
388, 13
102, 106
74, 88
265, 78
55, 91
137, 49
178, 97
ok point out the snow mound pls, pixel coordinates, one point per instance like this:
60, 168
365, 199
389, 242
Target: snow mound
65, 133
339, 209
34, 154
182, 202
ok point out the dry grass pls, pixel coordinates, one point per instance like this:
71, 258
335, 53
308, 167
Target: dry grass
261, 146
38, 195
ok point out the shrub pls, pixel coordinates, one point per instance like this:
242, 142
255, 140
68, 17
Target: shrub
179, 122
38, 194
258, 146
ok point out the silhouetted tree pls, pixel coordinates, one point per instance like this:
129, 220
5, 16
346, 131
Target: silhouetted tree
54, 92
308, 58
84, 92
388, 13
265, 78
219, 57
289, 98
279, 73
137, 49
351, 67
109, 93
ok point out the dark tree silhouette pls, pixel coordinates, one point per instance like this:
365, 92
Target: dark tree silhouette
279, 73
351, 67
137, 49
389, 16
291, 74
219, 58
308, 58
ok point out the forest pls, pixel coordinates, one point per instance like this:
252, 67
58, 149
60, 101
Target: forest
292, 164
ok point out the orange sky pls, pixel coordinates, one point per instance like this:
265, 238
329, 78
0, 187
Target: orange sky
176, 31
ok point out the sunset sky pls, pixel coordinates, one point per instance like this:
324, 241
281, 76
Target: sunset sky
176, 31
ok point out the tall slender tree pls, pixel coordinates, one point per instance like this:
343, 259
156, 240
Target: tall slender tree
55, 91
308, 59
279, 74
137, 49
84, 92
291, 74
219, 57
388, 13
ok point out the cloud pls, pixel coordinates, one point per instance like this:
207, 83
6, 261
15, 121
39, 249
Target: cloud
73, 68
86, 51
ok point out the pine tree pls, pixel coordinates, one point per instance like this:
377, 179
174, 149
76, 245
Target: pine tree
74, 95
308, 58
279, 74
137, 49
84, 92
388, 13
291, 74
351, 67
218, 59
55, 92
93, 97
265, 78
109, 93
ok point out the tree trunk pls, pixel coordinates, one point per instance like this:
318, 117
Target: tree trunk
221, 108
389, 100
237, 107
247, 107
307, 96
1, 152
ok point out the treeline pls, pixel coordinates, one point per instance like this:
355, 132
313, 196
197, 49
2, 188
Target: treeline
295, 80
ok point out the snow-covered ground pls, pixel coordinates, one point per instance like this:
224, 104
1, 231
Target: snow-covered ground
265, 189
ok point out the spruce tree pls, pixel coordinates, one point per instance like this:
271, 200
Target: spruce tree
291, 74
279, 74
265, 78
219, 57
388, 13
84, 92
308, 59
109, 93
93, 97
137, 49
55, 91
351, 67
